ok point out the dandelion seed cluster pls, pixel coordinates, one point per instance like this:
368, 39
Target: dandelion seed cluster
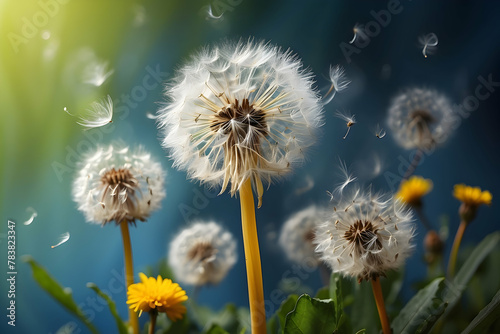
421, 118
366, 236
117, 184
202, 253
239, 111
297, 235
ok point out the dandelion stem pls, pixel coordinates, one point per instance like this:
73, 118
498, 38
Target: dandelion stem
252, 259
379, 300
414, 164
152, 315
423, 218
129, 271
454, 248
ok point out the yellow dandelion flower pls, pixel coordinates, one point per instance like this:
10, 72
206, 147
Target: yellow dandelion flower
411, 190
472, 196
157, 294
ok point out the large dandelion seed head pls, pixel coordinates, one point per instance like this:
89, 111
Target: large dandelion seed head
202, 253
239, 111
115, 183
366, 236
297, 235
421, 118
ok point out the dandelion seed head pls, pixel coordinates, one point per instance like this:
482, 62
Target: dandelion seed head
117, 184
366, 236
202, 253
420, 118
240, 111
297, 235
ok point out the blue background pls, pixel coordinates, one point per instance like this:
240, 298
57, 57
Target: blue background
36, 133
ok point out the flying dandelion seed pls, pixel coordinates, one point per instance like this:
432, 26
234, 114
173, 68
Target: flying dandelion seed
379, 132
151, 116
100, 114
309, 185
96, 73
346, 177
358, 32
429, 43
62, 239
139, 15
34, 214
348, 118
338, 83
210, 14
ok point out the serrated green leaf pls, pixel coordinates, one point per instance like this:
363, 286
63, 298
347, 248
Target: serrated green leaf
56, 291
286, 307
423, 310
485, 317
311, 316
122, 328
323, 293
341, 320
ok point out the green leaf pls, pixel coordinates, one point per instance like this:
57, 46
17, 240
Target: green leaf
341, 320
122, 328
311, 316
423, 310
363, 309
216, 329
230, 318
277, 322
486, 317
56, 291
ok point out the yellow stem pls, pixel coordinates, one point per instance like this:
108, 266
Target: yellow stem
379, 300
129, 271
252, 259
454, 248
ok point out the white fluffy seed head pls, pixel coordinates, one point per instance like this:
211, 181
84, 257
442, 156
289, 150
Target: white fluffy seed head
366, 235
115, 183
239, 111
297, 235
201, 254
421, 118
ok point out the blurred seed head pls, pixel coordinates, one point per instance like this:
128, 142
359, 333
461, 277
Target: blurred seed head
420, 118
297, 235
202, 253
